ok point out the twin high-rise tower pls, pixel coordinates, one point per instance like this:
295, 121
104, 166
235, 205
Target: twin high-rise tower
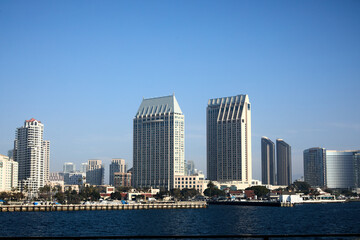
268, 167
279, 174
159, 141
283, 163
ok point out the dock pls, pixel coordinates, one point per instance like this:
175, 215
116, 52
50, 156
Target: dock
97, 207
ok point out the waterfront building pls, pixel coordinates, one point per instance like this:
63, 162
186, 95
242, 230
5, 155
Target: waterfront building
357, 169
232, 185
30, 154
158, 143
340, 168
229, 139
56, 184
8, 174
283, 161
122, 179
95, 172
332, 168
74, 178
69, 167
268, 161
315, 166
197, 182
74, 187
117, 165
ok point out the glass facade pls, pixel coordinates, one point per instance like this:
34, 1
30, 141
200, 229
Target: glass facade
340, 169
267, 161
357, 169
315, 167
283, 157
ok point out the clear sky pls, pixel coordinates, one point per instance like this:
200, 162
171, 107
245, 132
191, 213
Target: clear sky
83, 67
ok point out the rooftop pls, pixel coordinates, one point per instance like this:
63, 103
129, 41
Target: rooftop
32, 120
227, 100
158, 105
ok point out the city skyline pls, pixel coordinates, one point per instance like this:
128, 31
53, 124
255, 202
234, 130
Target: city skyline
90, 64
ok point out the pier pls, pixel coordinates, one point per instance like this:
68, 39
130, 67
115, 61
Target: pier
97, 207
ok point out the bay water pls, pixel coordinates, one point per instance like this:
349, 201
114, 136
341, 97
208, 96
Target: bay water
214, 220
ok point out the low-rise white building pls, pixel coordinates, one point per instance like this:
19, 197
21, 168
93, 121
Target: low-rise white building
238, 185
195, 181
233, 185
291, 198
8, 174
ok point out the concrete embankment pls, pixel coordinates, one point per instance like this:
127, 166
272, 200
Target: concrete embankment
252, 203
82, 207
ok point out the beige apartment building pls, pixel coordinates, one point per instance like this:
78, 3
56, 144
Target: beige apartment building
195, 181
8, 174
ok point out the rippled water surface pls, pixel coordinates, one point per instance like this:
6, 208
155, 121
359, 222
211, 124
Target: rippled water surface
301, 219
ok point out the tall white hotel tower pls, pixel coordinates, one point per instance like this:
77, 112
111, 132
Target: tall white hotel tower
229, 139
32, 154
159, 143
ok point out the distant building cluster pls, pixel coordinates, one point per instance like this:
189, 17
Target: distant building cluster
159, 155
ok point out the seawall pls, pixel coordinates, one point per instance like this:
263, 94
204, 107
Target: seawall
82, 207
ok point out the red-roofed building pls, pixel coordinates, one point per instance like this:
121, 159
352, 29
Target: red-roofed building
32, 120
250, 194
32, 153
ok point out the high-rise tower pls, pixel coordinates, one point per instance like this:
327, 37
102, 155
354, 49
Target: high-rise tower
342, 168
332, 168
315, 166
159, 143
267, 161
229, 139
283, 162
117, 166
32, 153
357, 169
46, 155
95, 172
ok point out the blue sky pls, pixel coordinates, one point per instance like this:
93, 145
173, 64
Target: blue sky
83, 67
